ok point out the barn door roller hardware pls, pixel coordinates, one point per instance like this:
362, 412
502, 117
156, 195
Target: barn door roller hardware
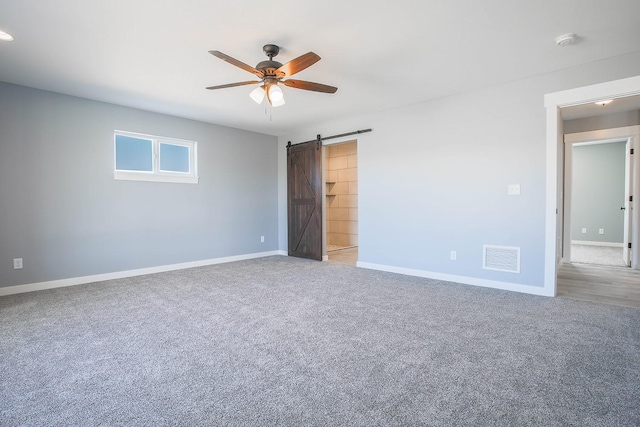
319, 138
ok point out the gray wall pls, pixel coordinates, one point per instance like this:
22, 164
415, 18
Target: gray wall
62, 211
597, 186
587, 124
433, 177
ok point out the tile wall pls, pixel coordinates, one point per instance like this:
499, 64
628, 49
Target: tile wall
341, 174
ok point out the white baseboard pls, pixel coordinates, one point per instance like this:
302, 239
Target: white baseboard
591, 243
534, 290
325, 257
18, 289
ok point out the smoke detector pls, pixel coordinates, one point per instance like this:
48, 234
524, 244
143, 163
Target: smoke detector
566, 39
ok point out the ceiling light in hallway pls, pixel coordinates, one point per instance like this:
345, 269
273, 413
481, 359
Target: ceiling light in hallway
5, 36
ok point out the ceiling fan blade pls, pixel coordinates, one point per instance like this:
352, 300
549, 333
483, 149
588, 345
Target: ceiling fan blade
237, 63
316, 87
297, 65
251, 82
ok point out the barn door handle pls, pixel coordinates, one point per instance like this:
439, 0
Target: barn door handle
622, 208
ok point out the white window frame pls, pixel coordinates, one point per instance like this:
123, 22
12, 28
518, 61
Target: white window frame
156, 174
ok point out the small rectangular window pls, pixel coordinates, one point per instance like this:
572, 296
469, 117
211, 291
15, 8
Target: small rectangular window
134, 154
140, 157
174, 158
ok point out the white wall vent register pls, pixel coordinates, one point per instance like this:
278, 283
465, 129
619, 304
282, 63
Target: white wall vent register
501, 258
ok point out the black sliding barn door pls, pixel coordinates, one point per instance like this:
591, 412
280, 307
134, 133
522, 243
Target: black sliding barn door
304, 200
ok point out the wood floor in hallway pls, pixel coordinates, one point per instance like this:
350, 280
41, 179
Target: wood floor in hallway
600, 283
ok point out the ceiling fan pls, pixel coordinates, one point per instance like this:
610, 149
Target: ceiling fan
272, 72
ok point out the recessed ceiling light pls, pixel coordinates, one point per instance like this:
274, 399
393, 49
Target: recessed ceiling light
603, 102
5, 36
566, 39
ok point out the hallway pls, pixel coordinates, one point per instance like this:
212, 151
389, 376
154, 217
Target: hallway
599, 283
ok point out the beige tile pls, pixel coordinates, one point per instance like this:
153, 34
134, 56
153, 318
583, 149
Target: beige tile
347, 201
352, 161
336, 163
347, 149
332, 226
332, 239
332, 176
353, 214
332, 201
353, 187
332, 151
347, 227
353, 240
348, 175
345, 256
340, 188
341, 239
338, 214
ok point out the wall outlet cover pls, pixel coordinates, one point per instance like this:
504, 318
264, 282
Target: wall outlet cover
513, 189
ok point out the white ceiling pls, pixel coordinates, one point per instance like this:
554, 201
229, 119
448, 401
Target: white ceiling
152, 54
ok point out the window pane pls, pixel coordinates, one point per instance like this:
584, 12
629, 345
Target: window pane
174, 158
133, 154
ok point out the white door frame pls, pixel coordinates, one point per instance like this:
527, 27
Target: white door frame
630, 134
555, 170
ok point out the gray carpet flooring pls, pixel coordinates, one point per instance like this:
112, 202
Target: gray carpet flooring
285, 341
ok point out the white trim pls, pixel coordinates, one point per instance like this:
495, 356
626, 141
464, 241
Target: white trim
325, 257
516, 287
602, 136
592, 243
18, 289
553, 101
159, 177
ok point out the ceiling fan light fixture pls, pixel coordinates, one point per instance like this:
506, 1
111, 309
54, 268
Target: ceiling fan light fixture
278, 103
276, 97
258, 94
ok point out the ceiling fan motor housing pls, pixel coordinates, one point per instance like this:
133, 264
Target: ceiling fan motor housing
269, 67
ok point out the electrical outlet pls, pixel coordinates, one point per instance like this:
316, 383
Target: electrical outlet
584, 231
601, 231
513, 189
17, 263
261, 239
453, 255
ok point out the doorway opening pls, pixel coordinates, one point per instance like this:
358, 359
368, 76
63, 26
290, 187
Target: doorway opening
341, 202
597, 226
555, 244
